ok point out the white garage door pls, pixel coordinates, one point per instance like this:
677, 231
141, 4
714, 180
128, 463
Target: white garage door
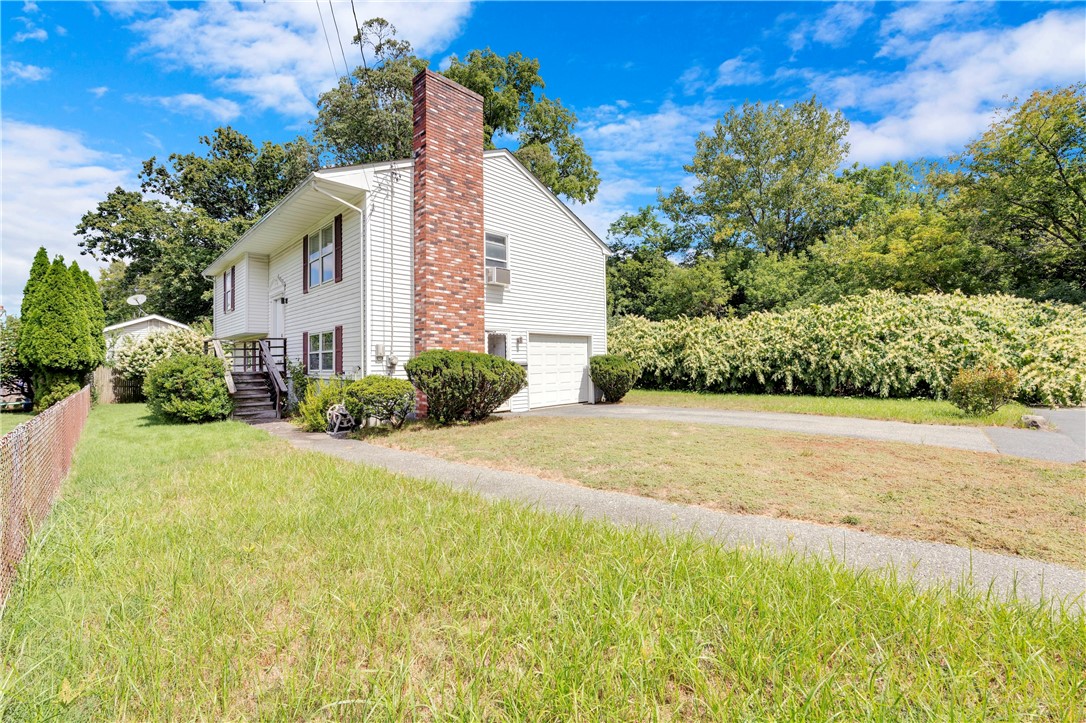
557, 370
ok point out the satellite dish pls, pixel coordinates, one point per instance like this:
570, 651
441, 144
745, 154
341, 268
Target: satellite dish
136, 299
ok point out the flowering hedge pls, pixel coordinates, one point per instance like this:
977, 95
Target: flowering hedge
878, 344
134, 358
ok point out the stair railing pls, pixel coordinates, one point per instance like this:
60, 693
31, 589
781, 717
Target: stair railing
214, 348
279, 385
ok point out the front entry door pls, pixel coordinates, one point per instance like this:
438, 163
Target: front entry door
275, 315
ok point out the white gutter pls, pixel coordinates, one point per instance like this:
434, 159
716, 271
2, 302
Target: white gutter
367, 307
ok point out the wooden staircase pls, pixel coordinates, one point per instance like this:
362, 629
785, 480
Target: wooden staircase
253, 398
255, 375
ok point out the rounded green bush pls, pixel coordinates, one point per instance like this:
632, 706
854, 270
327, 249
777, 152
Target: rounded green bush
188, 388
320, 394
982, 390
387, 399
58, 387
464, 385
613, 374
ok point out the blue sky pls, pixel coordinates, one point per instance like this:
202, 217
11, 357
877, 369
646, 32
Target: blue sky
90, 90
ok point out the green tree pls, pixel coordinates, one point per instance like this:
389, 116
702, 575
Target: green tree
367, 117
113, 285
1021, 189
15, 376
30, 308
765, 176
213, 199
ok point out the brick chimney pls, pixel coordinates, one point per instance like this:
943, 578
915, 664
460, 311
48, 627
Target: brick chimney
448, 198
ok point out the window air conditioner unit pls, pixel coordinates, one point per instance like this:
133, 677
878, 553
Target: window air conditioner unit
498, 276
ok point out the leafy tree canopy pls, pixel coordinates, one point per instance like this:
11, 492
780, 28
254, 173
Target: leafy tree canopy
367, 117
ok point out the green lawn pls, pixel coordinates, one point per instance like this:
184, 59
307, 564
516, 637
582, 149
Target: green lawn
986, 501
11, 420
214, 573
926, 411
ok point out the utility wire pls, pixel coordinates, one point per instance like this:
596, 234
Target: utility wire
358, 29
339, 37
335, 70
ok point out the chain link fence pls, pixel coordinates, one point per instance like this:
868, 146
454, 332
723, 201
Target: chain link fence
34, 460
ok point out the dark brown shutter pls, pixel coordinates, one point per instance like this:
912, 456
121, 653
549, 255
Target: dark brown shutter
305, 269
339, 349
339, 248
225, 296
233, 288
305, 351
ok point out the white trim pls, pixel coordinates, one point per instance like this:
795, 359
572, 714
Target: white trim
149, 317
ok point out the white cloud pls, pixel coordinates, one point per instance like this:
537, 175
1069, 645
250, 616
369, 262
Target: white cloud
30, 7
31, 33
274, 54
99, 91
901, 29
50, 179
222, 110
24, 71
61, 30
636, 152
834, 27
953, 82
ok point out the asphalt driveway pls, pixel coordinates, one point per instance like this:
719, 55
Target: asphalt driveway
1066, 444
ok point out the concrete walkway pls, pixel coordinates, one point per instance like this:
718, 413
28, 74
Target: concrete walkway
1068, 444
924, 563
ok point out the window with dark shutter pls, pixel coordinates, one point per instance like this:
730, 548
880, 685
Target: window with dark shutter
305, 264
339, 248
339, 350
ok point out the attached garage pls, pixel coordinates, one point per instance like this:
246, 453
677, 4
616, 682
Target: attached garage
558, 370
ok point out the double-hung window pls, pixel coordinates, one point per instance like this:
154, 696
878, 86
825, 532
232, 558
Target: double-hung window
228, 290
322, 256
322, 353
497, 251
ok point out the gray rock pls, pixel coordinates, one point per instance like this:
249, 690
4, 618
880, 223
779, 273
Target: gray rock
1034, 421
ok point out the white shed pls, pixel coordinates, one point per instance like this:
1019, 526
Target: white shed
137, 329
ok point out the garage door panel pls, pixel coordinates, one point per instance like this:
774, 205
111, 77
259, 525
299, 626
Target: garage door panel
557, 369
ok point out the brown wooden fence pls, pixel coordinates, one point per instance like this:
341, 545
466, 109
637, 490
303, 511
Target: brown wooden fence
112, 388
35, 457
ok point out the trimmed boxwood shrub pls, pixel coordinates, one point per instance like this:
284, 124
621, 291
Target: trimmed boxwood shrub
188, 388
614, 374
320, 394
385, 398
981, 390
464, 385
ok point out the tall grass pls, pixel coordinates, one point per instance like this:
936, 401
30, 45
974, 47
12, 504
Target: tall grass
211, 572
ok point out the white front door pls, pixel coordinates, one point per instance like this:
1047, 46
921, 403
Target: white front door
275, 315
557, 370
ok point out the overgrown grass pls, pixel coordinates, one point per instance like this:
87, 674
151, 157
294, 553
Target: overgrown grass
985, 501
213, 573
919, 411
11, 420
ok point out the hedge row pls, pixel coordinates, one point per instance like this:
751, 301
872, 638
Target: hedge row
878, 344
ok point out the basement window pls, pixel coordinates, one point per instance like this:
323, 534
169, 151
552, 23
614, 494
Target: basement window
497, 251
322, 353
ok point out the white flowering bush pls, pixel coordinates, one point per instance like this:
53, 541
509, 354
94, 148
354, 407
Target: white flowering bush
878, 344
135, 357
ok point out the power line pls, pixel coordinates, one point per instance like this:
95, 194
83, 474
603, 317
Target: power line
339, 37
335, 70
358, 29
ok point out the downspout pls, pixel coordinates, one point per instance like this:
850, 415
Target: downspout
367, 307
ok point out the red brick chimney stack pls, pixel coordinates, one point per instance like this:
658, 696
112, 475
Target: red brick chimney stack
448, 206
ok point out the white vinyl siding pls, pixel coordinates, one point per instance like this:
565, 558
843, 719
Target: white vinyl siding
328, 305
557, 271
249, 316
393, 278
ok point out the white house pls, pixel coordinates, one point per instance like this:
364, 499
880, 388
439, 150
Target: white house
129, 331
359, 268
